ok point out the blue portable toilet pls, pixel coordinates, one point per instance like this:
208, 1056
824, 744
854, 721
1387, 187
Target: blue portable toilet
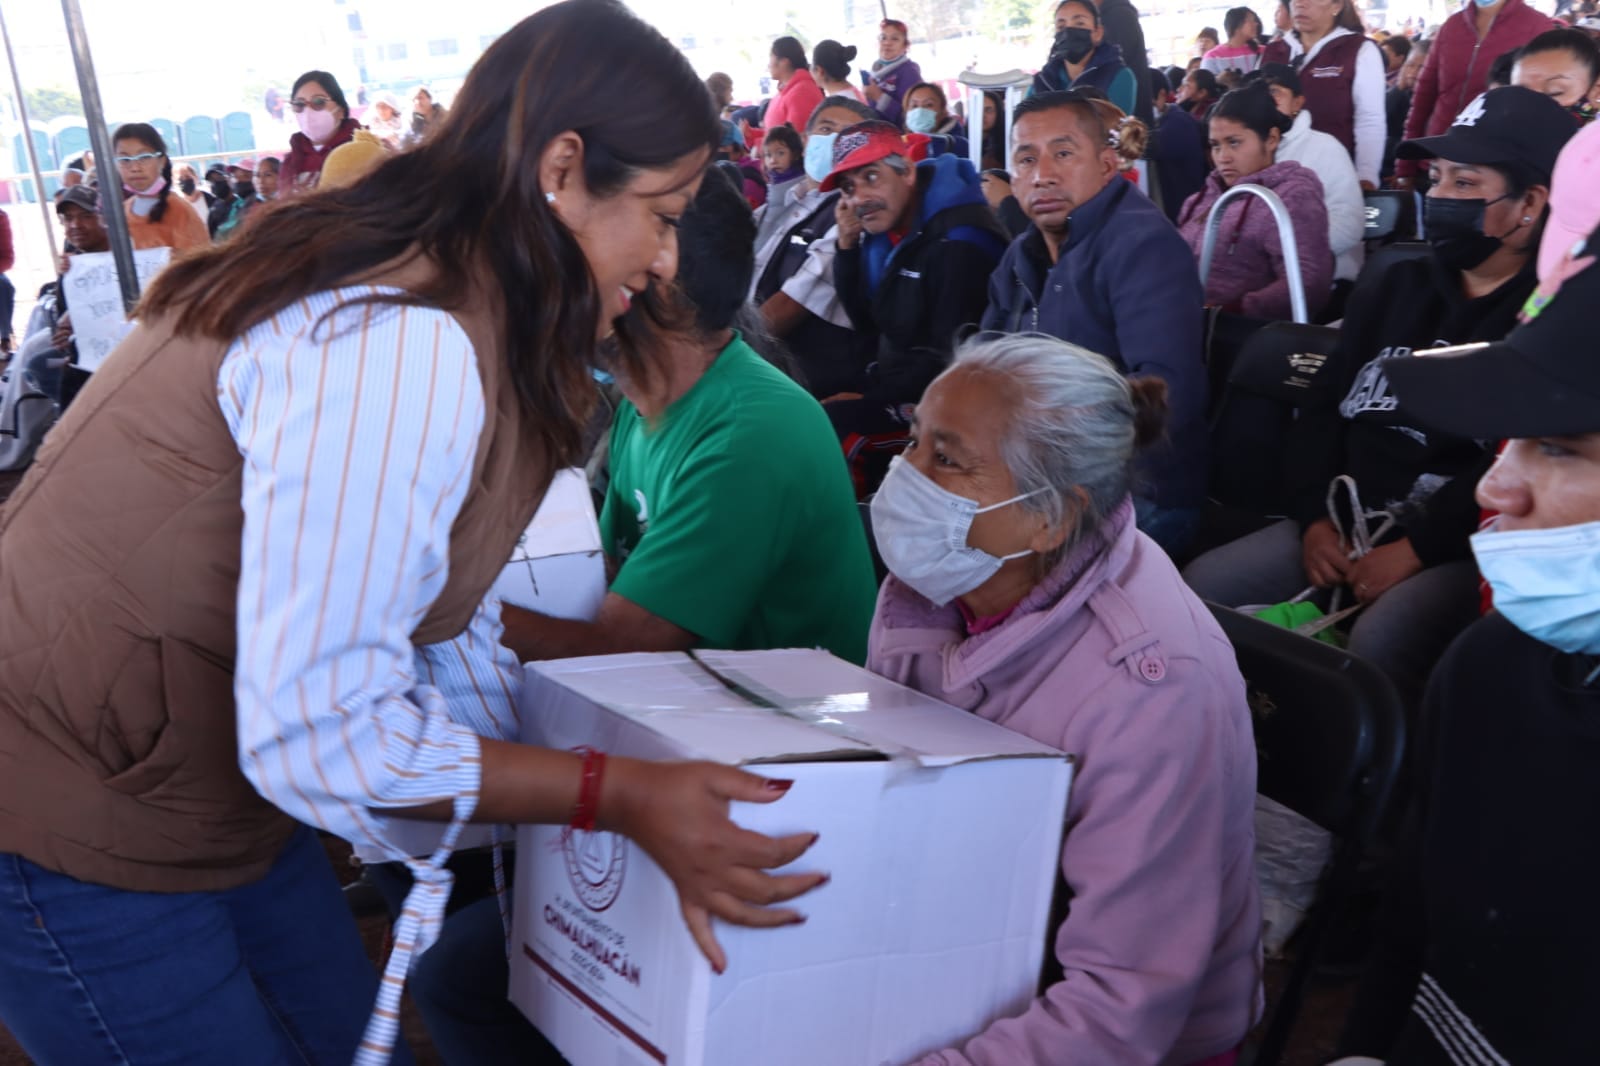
238, 133
200, 139
171, 134
47, 161
71, 138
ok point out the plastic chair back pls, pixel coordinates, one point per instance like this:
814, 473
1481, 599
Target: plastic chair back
1279, 370
1385, 212
1330, 734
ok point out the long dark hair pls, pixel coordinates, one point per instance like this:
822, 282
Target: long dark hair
1349, 18
716, 261
1237, 17
833, 58
147, 135
469, 199
328, 82
1254, 108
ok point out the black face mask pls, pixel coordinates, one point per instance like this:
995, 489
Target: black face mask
244, 189
1455, 230
1073, 43
186, 186
220, 189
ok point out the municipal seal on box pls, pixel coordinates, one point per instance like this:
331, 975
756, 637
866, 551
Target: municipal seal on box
595, 865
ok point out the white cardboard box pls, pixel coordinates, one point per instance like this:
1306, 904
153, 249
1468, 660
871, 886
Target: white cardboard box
557, 567
942, 833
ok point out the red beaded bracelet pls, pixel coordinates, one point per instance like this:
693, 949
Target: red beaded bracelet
587, 808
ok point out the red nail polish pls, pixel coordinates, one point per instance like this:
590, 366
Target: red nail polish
778, 784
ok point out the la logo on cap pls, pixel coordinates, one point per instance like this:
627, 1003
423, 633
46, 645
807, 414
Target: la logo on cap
1473, 113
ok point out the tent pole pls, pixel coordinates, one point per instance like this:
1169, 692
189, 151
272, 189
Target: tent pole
105, 160
27, 140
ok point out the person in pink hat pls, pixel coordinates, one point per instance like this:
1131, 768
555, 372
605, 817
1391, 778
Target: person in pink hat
1574, 208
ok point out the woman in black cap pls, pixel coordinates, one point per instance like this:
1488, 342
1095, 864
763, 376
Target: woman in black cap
1403, 552
1489, 935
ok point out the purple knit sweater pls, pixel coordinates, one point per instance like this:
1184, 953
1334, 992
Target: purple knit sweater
1247, 270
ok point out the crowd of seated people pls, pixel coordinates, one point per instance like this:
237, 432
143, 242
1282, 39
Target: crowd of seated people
948, 421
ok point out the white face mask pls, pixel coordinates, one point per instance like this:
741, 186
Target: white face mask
318, 125
921, 120
921, 530
1546, 582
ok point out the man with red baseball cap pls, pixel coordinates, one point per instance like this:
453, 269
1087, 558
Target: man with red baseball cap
917, 243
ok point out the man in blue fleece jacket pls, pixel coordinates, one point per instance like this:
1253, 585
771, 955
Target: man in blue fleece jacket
1102, 267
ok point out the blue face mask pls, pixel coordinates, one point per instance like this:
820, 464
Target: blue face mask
921, 120
1486, 3
1546, 582
819, 155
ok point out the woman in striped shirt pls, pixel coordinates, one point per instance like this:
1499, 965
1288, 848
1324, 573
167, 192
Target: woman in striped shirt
325, 431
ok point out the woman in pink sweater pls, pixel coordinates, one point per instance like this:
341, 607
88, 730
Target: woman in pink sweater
1247, 269
1022, 591
798, 94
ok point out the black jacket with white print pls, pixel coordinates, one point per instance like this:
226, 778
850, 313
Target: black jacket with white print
1424, 478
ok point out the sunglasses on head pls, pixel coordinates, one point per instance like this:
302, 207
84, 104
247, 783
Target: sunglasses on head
142, 157
316, 103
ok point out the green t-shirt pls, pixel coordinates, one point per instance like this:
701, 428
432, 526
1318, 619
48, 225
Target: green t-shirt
734, 517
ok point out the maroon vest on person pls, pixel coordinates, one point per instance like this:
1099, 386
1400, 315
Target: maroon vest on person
1327, 81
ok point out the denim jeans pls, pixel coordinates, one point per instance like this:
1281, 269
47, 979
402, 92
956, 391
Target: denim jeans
263, 975
1403, 633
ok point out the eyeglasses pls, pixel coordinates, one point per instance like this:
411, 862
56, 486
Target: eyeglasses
316, 103
142, 157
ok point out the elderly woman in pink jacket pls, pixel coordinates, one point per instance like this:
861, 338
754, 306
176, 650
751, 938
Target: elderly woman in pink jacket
1021, 590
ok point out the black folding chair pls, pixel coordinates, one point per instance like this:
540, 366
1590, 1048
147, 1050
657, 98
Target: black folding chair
1330, 732
1279, 369
1387, 213
1382, 259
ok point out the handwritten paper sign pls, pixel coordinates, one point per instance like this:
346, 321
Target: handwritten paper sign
94, 299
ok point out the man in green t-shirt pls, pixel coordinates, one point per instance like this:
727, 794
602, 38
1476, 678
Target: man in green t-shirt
730, 509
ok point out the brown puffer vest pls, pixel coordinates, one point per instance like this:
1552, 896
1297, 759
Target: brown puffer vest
119, 564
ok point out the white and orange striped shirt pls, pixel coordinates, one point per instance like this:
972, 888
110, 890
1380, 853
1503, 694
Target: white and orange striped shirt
358, 437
